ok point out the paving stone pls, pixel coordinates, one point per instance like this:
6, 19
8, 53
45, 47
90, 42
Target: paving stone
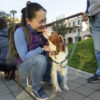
72, 85
4, 91
95, 96
71, 72
87, 99
2, 85
2, 78
10, 83
82, 74
57, 98
15, 88
72, 96
1, 81
63, 92
84, 90
79, 88
27, 98
20, 95
7, 97
72, 77
95, 86
81, 81
79, 73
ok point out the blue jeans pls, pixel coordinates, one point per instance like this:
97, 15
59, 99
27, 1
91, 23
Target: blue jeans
95, 22
38, 67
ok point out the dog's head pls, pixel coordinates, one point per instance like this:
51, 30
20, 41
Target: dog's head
55, 41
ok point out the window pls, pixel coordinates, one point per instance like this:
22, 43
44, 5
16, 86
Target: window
74, 23
78, 22
74, 30
69, 24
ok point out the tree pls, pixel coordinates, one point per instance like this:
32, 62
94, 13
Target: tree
60, 28
13, 13
2, 14
6, 16
9, 19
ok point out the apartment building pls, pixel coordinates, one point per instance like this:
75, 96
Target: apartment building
74, 25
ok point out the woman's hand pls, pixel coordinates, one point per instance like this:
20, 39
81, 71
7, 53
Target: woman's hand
47, 48
85, 17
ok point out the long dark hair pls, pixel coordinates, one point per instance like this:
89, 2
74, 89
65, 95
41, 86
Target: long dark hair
29, 11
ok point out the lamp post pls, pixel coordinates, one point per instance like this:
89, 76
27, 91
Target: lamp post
13, 13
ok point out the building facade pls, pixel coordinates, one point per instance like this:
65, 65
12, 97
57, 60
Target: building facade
75, 25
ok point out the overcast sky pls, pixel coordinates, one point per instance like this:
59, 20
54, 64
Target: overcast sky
55, 8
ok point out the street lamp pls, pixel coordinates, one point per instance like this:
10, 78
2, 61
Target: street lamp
13, 13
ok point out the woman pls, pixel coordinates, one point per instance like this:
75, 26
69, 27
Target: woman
33, 57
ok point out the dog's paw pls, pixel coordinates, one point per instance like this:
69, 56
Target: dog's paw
66, 87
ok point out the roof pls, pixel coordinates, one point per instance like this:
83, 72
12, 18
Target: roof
66, 18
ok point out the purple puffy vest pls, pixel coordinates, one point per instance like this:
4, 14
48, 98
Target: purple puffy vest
36, 40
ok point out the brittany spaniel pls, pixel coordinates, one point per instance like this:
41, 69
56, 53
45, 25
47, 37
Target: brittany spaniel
58, 54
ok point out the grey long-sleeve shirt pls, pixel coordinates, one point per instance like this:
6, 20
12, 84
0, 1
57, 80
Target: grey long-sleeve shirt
4, 38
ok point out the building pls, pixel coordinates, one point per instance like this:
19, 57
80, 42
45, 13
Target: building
75, 25
10, 20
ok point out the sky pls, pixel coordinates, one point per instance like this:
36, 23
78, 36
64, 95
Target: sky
55, 8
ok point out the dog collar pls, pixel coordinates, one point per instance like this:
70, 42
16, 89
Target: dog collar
60, 62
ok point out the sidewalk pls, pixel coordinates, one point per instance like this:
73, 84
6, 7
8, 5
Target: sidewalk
79, 89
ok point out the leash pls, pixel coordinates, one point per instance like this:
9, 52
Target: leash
75, 42
72, 49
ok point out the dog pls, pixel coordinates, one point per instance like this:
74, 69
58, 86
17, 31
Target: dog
58, 54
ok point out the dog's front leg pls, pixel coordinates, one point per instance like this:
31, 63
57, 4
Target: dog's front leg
64, 79
65, 83
54, 80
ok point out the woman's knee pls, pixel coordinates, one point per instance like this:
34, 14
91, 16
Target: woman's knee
37, 58
41, 59
37, 62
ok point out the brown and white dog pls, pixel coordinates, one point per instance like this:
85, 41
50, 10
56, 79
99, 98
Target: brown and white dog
58, 54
